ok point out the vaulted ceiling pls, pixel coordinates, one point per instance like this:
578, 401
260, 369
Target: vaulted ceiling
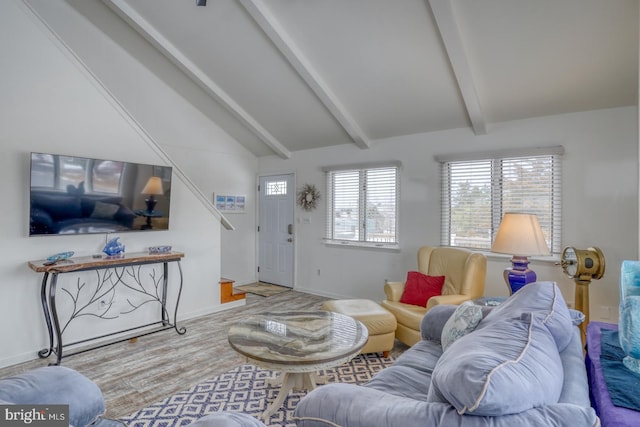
300, 74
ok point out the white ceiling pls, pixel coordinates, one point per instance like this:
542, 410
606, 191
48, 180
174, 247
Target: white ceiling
299, 74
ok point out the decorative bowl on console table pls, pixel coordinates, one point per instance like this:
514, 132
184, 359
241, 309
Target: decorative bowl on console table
164, 249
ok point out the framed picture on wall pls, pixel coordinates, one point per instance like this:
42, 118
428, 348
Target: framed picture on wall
219, 202
229, 203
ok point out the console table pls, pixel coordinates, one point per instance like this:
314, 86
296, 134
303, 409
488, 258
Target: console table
113, 272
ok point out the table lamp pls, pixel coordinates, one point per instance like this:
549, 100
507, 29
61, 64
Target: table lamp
153, 187
519, 235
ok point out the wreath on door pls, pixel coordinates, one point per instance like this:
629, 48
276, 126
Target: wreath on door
308, 197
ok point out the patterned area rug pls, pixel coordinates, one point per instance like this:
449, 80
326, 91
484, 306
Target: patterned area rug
262, 289
245, 389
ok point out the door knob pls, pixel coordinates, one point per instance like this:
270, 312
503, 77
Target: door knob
289, 239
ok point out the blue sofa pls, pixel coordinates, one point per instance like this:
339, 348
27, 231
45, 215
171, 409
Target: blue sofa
517, 364
58, 385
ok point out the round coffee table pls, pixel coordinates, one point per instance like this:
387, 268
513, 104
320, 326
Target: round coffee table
298, 344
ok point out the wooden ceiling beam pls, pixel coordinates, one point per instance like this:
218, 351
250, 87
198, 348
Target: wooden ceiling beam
281, 39
448, 27
196, 74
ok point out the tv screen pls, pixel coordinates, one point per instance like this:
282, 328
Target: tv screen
79, 195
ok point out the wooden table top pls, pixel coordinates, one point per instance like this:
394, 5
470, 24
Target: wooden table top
88, 262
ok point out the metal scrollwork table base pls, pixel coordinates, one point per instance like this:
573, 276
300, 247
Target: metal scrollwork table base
112, 272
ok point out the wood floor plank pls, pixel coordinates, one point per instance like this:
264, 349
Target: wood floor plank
134, 375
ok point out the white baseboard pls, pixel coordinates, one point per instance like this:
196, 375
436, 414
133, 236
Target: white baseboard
20, 358
33, 354
211, 310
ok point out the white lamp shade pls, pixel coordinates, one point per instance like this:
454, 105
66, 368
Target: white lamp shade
520, 234
154, 186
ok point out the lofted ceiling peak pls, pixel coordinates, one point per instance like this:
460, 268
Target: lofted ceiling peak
302, 75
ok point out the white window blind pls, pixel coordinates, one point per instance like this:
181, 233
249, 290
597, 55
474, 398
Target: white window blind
477, 193
362, 205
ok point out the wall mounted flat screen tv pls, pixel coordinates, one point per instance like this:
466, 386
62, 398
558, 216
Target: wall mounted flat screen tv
79, 195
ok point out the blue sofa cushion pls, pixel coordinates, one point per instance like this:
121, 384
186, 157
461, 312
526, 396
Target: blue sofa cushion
410, 374
56, 385
435, 319
341, 404
539, 297
509, 366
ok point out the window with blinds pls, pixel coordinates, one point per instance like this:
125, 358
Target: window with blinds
477, 193
362, 205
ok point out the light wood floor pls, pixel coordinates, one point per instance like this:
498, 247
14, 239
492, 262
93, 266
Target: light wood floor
134, 375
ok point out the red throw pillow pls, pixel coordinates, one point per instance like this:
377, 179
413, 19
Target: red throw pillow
420, 287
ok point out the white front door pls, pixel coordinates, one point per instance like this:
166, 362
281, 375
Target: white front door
275, 229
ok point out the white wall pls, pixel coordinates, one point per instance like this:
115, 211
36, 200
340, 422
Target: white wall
171, 108
50, 104
600, 205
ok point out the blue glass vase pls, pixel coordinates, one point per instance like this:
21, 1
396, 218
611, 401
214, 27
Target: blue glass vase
113, 247
629, 326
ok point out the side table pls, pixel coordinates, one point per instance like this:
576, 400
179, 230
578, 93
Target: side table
298, 344
610, 415
148, 215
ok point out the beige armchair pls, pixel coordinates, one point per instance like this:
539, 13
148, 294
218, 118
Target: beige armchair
465, 273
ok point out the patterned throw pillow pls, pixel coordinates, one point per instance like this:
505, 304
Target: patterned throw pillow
462, 321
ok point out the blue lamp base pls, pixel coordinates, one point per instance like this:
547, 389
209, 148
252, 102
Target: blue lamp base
519, 274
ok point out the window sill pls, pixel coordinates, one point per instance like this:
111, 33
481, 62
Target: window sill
363, 245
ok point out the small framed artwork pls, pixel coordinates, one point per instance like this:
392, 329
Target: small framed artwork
240, 203
229, 204
219, 202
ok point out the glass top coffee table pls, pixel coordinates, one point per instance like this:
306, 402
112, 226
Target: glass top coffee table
298, 344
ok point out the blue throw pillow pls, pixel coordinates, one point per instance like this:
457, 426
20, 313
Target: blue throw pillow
540, 297
507, 367
464, 320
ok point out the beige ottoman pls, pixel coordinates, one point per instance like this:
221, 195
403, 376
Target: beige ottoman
379, 322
